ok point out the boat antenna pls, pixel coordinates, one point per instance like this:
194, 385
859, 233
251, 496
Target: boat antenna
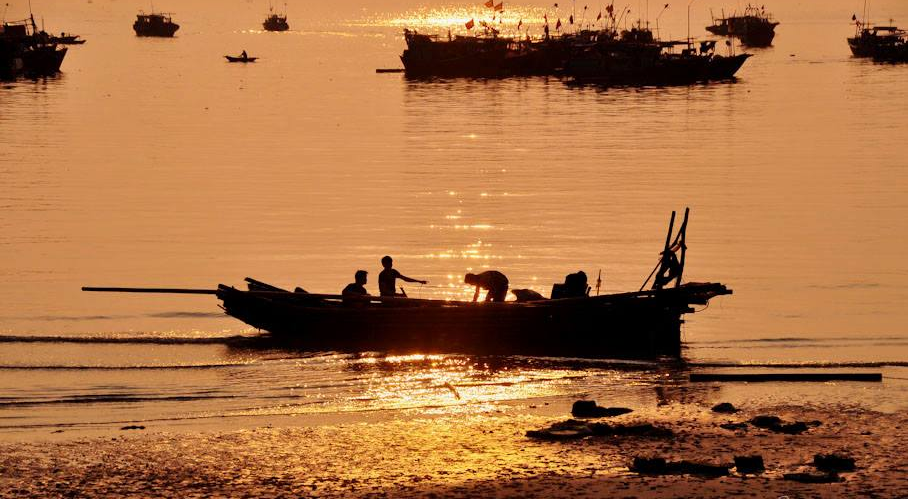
4, 11
598, 282
688, 23
658, 35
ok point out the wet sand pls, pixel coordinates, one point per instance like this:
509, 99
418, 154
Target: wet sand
478, 455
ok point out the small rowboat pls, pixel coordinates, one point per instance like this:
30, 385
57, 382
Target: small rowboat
231, 58
639, 324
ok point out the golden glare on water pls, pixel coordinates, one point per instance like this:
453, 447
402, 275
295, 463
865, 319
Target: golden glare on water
455, 18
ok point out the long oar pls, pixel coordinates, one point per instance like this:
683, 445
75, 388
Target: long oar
181, 291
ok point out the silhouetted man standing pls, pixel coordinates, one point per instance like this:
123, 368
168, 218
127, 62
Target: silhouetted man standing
492, 280
387, 279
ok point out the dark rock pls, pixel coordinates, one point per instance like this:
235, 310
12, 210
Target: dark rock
766, 421
637, 430
733, 426
830, 477
776, 424
649, 465
692, 468
133, 427
659, 466
833, 462
749, 464
566, 430
725, 408
795, 428
589, 409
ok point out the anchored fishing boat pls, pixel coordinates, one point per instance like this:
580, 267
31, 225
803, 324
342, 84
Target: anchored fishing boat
636, 58
155, 24
639, 324
755, 28
878, 42
275, 21
23, 51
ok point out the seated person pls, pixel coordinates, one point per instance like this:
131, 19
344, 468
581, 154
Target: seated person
355, 289
574, 286
387, 279
492, 280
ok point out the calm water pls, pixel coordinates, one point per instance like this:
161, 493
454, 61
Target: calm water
154, 162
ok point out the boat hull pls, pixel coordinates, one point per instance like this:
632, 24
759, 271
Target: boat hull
663, 70
157, 30
634, 327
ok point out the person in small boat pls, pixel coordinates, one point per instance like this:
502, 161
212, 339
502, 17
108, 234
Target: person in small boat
387, 279
492, 280
244, 56
355, 289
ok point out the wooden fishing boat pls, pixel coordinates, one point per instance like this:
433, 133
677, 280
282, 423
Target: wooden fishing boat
276, 22
232, 58
644, 324
155, 24
640, 324
755, 28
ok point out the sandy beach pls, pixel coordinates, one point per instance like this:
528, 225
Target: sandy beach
484, 455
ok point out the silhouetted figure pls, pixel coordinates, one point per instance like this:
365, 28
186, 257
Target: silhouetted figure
356, 289
387, 279
244, 56
574, 286
492, 280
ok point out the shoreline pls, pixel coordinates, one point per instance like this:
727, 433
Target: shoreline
468, 455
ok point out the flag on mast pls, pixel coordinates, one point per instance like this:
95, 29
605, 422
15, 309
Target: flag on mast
489, 4
470, 24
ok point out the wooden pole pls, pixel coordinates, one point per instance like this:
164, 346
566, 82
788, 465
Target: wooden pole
181, 291
682, 234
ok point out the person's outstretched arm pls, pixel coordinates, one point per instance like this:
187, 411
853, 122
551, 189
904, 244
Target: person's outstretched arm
409, 279
476, 294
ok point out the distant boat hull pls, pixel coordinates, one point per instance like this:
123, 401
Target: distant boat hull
43, 60
665, 70
633, 325
231, 58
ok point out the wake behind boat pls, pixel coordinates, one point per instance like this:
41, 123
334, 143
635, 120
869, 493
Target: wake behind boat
640, 324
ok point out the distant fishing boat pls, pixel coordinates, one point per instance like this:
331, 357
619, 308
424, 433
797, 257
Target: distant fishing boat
240, 58
276, 22
882, 43
637, 58
489, 55
755, 28
65, 39
155, 24
640, 324
23, 51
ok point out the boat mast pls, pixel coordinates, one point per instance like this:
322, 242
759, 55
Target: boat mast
688, 23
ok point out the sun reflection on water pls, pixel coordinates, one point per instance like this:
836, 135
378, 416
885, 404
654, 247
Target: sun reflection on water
456, 16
